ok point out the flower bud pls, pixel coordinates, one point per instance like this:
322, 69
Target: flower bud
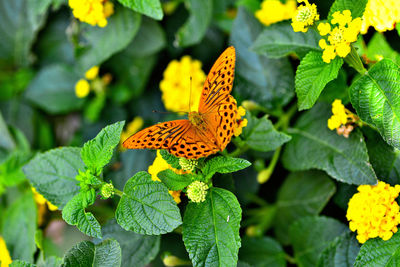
197, 191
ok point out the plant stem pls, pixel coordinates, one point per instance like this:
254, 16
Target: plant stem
271, 166
118, 192
290, 259
284, 120
354, 61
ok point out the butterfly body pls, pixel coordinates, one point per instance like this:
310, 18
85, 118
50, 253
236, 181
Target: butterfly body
207, 130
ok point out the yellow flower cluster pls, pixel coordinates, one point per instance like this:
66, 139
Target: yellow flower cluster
304, 16
273, 11
374, 212
176, 87
93, 12
339, 116
133, 127
340, 37
240, 123
82, 87
197, 191
5, 258
381, 14
159, 165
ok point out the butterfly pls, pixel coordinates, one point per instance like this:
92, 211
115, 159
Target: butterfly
207, 130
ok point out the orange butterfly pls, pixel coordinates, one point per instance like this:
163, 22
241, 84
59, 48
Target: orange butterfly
205, 132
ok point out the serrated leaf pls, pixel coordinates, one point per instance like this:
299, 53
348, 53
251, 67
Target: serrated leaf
311, 235
279, 40
262, 252
375, 96
97, 152
146, 207
194, 29
356, 7
53, 89
19, 226
53, 174
260, 134
342, 252
19, 263
293, 204
104, 42
151, 8
170, 159
105, 254
223, 164
312, 75
345, 159
376, 252
74, 214
173, 180
137, 250
211, 229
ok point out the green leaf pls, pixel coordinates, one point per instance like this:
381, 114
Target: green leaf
356, 7
293, 204
97, 152
269, 82
223, 164
311, 235
378, 46
137, 250
344, 159
262, 252
7, 141
375, 96
11, 169
151, 8
279, 40
146, 207
74, 214
211, 229
170, 159
194, 29
376, 252
19, 263
341, 252
104, 42
53, 89
312, 75
105, 254
174, 181
19, 226
53, 174
260, 134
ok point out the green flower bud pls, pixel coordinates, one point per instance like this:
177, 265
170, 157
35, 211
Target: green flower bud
197, 191
107, 190
188, 164
172, 261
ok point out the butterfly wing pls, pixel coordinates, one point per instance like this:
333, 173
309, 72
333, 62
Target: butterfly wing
179, 137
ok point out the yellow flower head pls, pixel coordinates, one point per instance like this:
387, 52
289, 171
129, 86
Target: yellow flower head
92, 73
304, 16
240, 123
339, 116
175, 86
82, 88
273, 11
133, 127
197, 191
340, 37
374, 212
93, 12
5, 258
381, 14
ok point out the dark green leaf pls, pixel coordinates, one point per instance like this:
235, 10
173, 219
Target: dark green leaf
151, 8
170, 159
194, 29
262, 252
356, 7
105, 254
279, 40
146, 207
345, 159
293, 204
53, 90
312, 76
223, 164
311, 235
53, 174
375, 96
174, 181
260, 134
211, 229
11, 169
379, 47
341, 252
19, 263
6, 140
97, 152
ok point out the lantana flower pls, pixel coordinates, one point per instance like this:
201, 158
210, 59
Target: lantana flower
273, 11
381, 14
93, 12
5, 259
342, 119
304, 16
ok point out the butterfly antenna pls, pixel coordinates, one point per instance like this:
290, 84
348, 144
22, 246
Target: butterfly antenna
190, 93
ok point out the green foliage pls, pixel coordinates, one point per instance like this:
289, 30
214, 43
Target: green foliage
341, 252
223, 165
378, 46
262, 252
170, 159
356, 7
211, 229
151, 8
174, 181
19, 263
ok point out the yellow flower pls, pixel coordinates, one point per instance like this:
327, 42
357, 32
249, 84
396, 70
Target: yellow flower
159, 165
133, 127
381, 14
5, 258
188, 164
92, 73
339, 116
374, 212
41, 203
340, 37
82, 88
304, 16
273, 11
240, 123
93, 12
197, 191
176, 88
